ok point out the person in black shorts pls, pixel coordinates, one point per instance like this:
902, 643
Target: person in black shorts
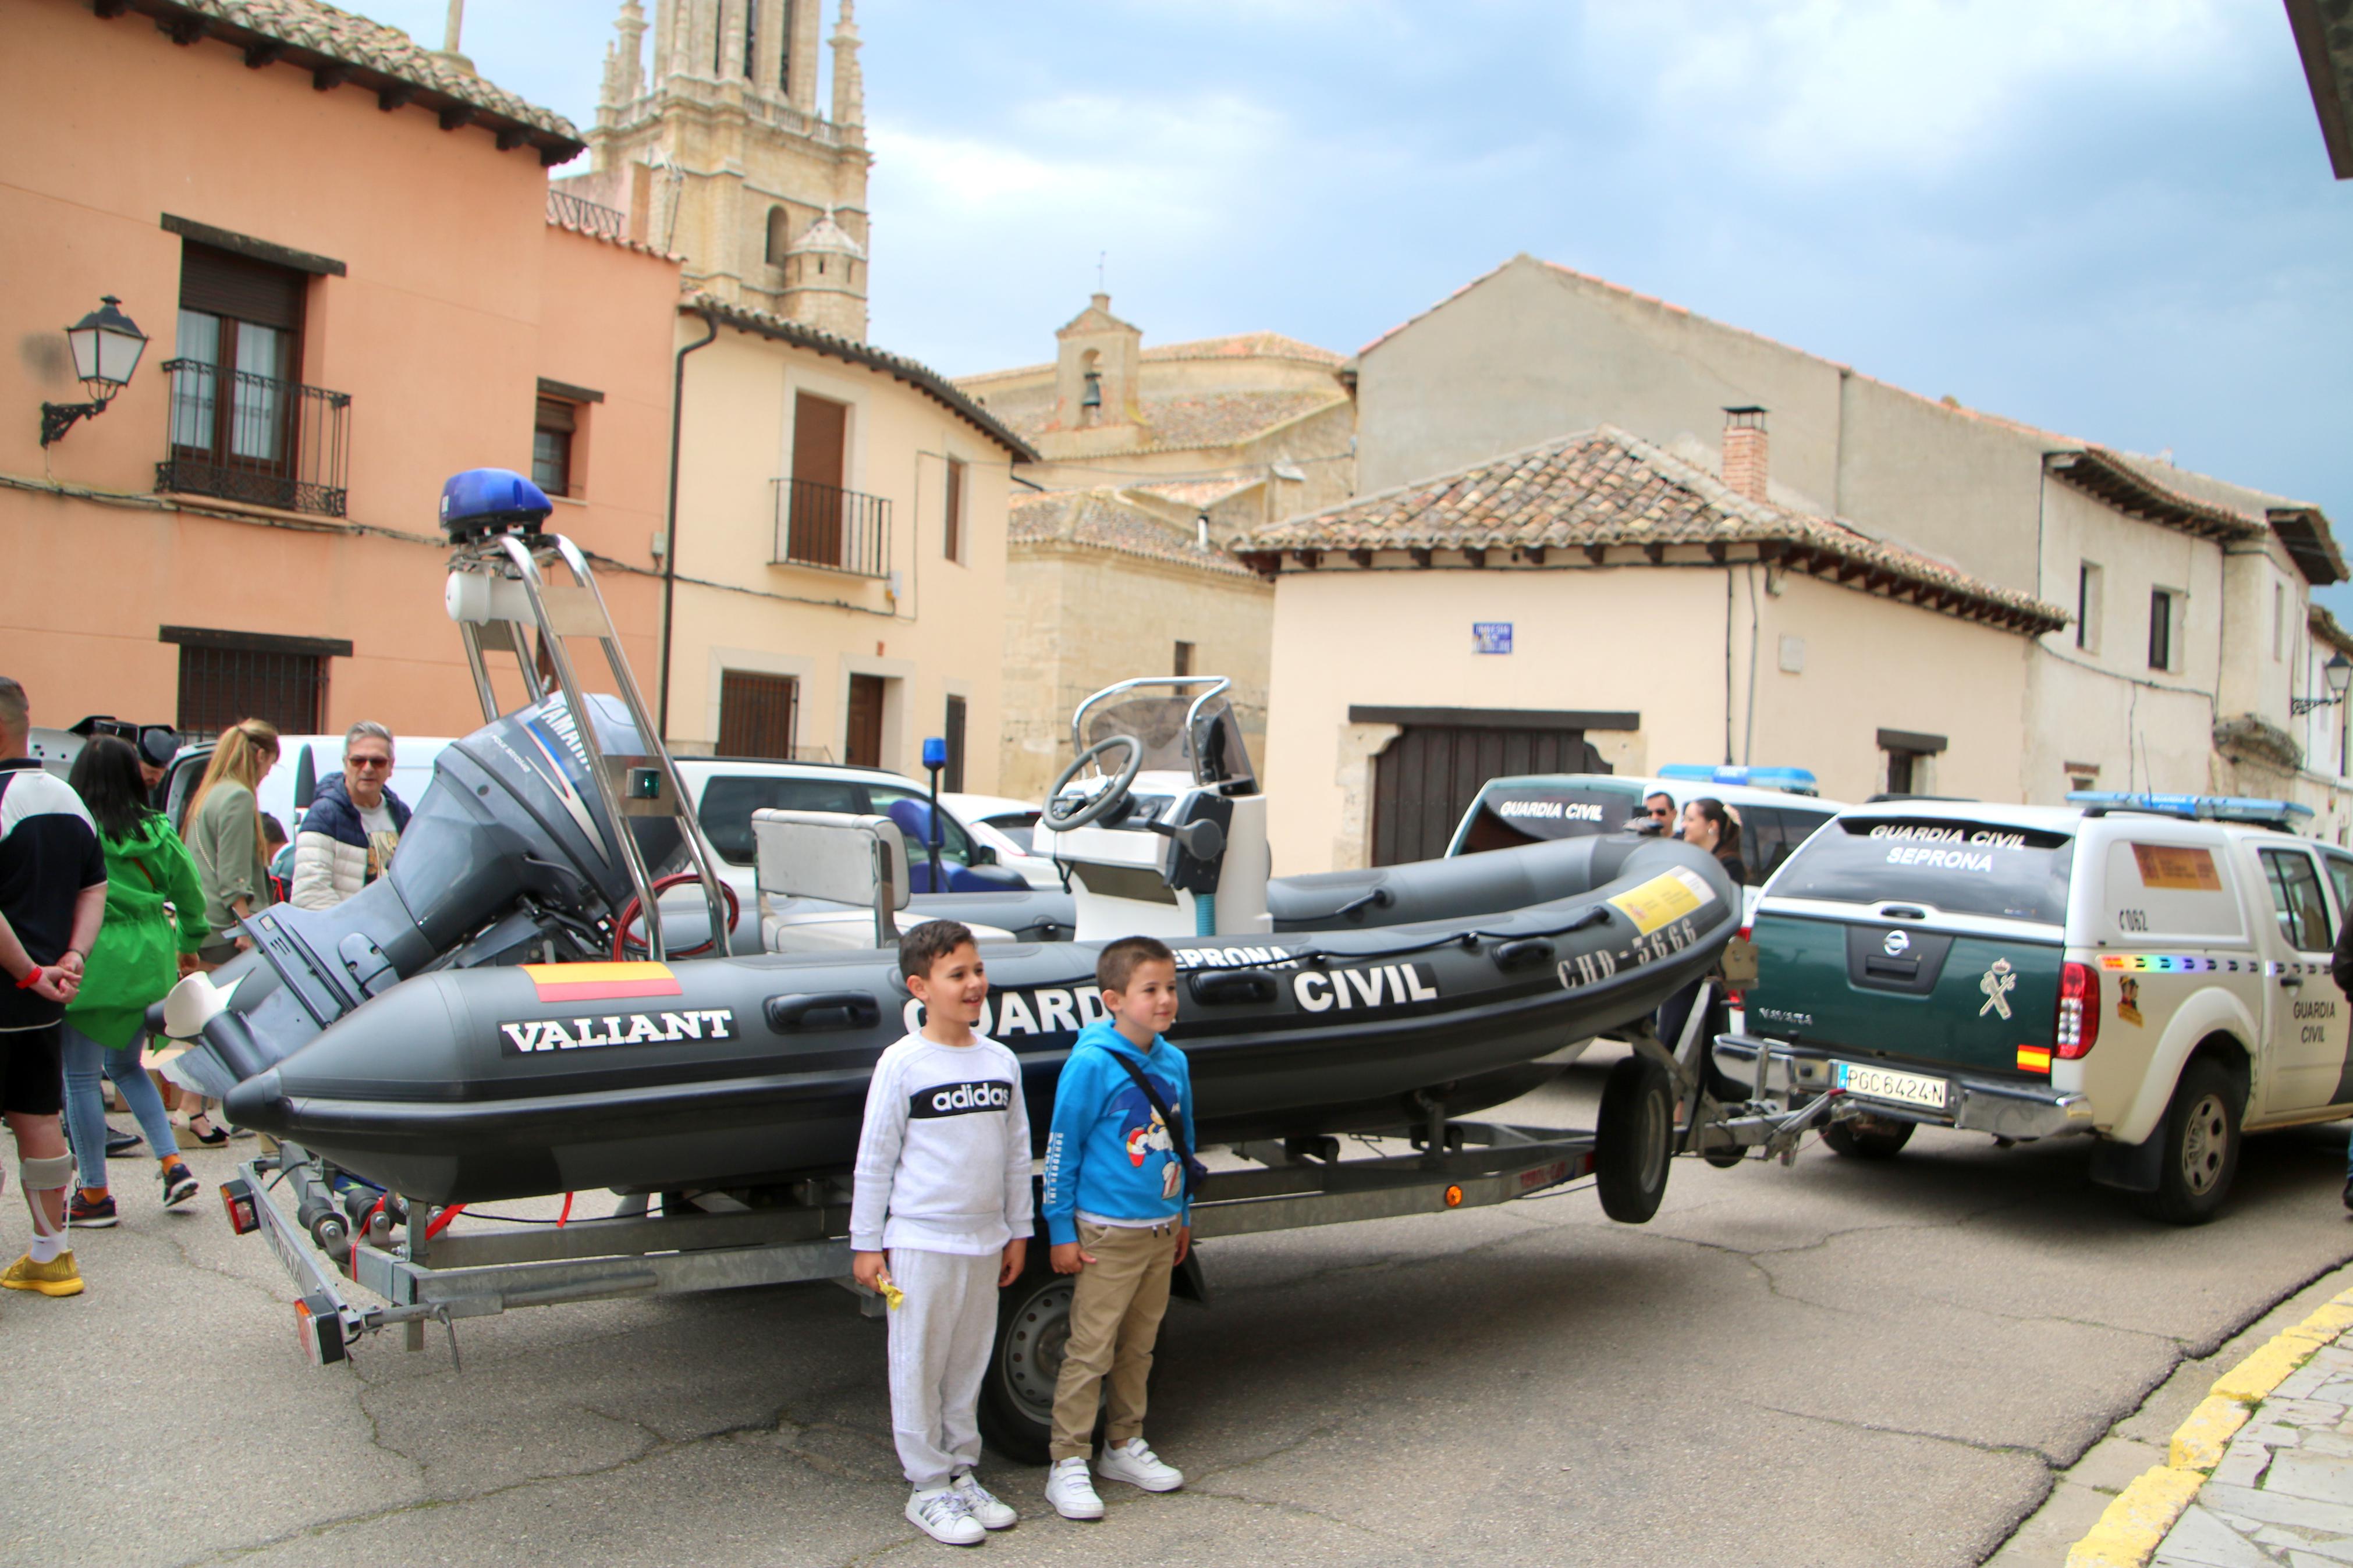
52, 897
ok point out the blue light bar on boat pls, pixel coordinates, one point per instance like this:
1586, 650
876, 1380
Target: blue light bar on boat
2204, 807
1794, 780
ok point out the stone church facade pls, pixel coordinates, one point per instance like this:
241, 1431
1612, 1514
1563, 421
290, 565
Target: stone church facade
711, 142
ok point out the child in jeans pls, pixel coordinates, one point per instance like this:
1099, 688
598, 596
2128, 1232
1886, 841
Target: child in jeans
1118, 1216
941, 1215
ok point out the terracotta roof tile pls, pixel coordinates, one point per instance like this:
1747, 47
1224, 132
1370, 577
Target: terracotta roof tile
1245, 346
340, 35
1603, 488
1100, 518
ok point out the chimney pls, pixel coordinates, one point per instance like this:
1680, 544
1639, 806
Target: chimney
1747, 459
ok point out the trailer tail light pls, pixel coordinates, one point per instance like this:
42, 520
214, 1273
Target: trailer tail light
1733, 992
321, 1329
2078, 1028
238, 1199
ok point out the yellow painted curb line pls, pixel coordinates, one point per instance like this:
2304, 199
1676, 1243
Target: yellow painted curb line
2132, 1527
2128, 1532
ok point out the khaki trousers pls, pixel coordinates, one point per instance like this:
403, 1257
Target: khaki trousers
1115, 1311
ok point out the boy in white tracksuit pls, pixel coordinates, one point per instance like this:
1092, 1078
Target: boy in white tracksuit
940, 1215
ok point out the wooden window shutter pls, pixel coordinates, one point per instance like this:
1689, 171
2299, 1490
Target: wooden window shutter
222, 284
555, 414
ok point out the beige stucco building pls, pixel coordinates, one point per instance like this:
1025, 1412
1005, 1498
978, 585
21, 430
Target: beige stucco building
711, 142
2186, 644
1596, 600
837, 569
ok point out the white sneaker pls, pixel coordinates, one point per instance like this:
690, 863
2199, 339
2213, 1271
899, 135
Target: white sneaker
1138, 1466
1072, 1490
943, 1516
989, 1510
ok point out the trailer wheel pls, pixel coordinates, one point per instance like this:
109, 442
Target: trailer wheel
1017, 1397
1868, 1138
2201, 1147
1635, 1139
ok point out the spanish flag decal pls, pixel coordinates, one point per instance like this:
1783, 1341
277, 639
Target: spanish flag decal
601, 982
2030, 1059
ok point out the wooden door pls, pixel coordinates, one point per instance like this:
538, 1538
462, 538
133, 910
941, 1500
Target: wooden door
757, 714
1430, 775
820, 427
864, 741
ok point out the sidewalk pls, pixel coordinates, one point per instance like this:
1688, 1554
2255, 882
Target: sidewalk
2261, 1473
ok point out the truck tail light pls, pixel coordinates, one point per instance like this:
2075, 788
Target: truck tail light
2078, 1027
1731, 993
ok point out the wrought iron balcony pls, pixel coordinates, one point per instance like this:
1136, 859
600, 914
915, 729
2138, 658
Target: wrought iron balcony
589, 218
833, 528
254, 439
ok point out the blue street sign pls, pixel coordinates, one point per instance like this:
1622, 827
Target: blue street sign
1491, 636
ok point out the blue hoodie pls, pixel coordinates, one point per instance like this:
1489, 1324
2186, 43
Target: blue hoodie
1107, 1153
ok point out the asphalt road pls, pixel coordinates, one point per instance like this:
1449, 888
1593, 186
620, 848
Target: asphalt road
1836, 1363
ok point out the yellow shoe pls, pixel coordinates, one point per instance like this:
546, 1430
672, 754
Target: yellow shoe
58, 1277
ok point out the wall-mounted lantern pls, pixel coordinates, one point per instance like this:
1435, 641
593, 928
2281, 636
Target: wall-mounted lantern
106, 346
2338, 671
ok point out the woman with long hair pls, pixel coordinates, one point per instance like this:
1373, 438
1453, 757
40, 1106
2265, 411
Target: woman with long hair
1709, 825
154, 923
223, 831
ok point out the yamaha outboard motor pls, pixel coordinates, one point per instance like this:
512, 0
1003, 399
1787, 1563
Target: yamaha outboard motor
512, 855
508, 857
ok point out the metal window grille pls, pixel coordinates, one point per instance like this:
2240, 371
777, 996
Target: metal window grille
757, 714
255, 438
220, 686
830, 528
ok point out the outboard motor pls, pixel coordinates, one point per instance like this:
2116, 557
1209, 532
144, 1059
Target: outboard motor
513, 854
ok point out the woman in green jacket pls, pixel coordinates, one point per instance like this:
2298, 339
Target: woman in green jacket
224, 833
154, 923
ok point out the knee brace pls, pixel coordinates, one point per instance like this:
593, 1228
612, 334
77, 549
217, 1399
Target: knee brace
52, 1174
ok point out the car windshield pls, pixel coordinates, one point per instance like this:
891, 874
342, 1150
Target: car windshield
1017, 829
1955, 866
1508, 816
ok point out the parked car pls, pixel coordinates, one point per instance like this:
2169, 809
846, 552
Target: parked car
302, 762
2151, 971
728, 790
1777, 807
1005, 825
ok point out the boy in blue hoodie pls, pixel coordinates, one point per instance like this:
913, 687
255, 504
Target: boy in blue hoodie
1118, 1216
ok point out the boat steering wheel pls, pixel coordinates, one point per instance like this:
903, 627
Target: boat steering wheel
1101, 806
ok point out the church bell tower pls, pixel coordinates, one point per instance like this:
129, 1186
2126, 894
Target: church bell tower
710, 140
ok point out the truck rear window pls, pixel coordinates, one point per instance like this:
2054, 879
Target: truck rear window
1507, 818
1959, 866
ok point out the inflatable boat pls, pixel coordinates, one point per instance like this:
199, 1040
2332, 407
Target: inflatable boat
475, 1026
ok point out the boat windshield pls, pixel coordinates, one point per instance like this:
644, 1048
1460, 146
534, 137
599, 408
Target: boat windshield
1157, 720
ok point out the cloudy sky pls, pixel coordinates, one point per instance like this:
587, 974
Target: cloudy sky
2110, 217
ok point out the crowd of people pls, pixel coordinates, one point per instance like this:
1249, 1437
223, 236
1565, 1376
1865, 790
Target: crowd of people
105, 905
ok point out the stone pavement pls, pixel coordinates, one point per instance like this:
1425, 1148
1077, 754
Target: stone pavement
2284, 1491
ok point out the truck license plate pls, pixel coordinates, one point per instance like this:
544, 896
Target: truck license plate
1883, 1083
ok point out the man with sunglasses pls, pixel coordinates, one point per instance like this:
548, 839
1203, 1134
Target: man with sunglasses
354, 824
1659, 813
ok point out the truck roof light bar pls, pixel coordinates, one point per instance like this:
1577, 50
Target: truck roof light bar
1791, 780
2197, 807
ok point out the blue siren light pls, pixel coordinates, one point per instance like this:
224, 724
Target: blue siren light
1794, 780
935, 752
2204, 807
482, 502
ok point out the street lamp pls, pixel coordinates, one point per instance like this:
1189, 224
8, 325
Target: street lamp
106, 346
2338, 672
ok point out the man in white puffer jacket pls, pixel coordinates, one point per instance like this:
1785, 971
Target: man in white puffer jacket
353, 825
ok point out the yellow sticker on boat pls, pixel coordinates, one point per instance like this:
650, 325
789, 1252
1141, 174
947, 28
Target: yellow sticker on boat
1670, 896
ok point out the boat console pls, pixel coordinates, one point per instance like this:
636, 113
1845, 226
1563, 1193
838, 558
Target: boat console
1159, 819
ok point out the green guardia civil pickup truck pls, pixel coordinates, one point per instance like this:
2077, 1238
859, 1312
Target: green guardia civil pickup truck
2147, 971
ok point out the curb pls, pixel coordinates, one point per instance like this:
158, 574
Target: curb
2132, 1528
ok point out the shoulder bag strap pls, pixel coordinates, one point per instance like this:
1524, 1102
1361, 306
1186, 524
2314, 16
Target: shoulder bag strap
1194, 1170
